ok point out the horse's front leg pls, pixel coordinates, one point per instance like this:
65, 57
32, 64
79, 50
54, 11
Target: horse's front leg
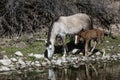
77, 38
64, 45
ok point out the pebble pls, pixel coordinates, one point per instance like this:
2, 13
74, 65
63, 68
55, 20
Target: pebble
18, 53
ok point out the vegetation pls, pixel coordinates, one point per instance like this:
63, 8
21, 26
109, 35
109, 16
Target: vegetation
33, 47
30, 16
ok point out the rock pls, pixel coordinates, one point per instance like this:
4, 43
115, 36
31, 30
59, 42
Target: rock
38, 56
32, 63
98, 53
118, 54
13, 59
74, 51
5, 62
37, 63
118, 45
107, 57
18, 53
20, 44
58, 62
28, 63
114, 57
112, 47
21, 63
84, 58
12, 67
4, 68
44, 63
107, 41
31, 55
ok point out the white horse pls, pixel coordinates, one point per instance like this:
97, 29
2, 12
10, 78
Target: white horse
66, 25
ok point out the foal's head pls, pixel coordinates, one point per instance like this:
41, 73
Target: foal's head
49, 50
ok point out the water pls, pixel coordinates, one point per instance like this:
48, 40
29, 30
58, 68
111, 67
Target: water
95, 71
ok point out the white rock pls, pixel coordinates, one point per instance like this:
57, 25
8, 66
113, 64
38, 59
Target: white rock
44, 63
84, 58
98, 53
107, 56
118, 45
18, 53
74, 51
39, 56
107, 41
112, 47
31, 55
37, 63
58, 62
5, 62
12, 67
5, 57
118, 54
4, 68
13, 59
22, 63
32, 63
28, 62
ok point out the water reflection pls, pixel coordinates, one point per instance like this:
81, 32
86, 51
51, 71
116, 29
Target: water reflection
73, 73
51, 74
101, 71
95, 71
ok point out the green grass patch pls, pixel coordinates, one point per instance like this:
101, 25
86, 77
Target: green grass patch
33, 47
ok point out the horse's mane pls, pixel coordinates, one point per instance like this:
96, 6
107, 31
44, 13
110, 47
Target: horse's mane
50, 27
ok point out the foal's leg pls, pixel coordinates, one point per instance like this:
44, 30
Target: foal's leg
103, 46
86, 47
93, 47
64, 45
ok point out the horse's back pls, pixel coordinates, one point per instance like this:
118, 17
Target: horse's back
76, 21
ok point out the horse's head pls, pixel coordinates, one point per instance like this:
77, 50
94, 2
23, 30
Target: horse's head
49, 50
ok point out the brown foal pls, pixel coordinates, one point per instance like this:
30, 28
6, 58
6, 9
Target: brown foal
94, 34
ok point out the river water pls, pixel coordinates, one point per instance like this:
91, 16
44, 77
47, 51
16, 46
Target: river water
89, 71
